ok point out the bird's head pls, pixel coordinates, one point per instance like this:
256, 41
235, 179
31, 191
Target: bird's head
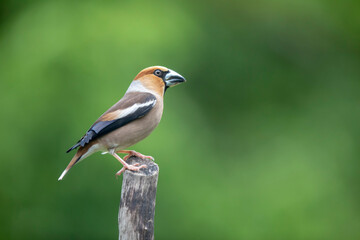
159, 78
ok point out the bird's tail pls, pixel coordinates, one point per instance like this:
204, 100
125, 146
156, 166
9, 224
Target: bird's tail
77, 157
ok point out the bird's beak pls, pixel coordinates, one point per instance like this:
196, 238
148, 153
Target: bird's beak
172, 78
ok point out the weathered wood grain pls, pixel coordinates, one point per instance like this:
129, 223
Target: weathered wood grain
137, 203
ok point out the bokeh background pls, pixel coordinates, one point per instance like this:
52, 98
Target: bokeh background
262, 142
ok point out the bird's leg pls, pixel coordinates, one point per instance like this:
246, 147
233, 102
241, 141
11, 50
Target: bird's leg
123, 169
134, 153
134, 167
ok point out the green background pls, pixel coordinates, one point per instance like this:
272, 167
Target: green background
261, 142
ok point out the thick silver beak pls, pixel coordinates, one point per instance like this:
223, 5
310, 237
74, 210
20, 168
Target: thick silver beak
172, 78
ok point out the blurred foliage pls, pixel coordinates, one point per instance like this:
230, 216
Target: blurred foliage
260, 143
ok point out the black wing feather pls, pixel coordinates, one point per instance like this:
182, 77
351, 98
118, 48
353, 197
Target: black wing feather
103, 127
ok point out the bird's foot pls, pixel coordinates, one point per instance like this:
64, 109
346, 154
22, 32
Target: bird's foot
136, 154
134, 167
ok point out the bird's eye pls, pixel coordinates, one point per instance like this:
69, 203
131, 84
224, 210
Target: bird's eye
158, 72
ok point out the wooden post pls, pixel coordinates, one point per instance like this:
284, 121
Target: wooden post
137, 203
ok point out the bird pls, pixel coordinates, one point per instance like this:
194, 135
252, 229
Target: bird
128, 121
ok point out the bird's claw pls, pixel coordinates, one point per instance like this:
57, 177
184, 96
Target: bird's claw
136, 154
150, 157
133, 167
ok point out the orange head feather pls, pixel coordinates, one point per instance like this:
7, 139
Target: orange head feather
152, 79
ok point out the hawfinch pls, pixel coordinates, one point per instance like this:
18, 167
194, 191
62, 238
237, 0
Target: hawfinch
130, 120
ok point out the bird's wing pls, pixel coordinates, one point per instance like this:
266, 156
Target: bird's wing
132, 106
